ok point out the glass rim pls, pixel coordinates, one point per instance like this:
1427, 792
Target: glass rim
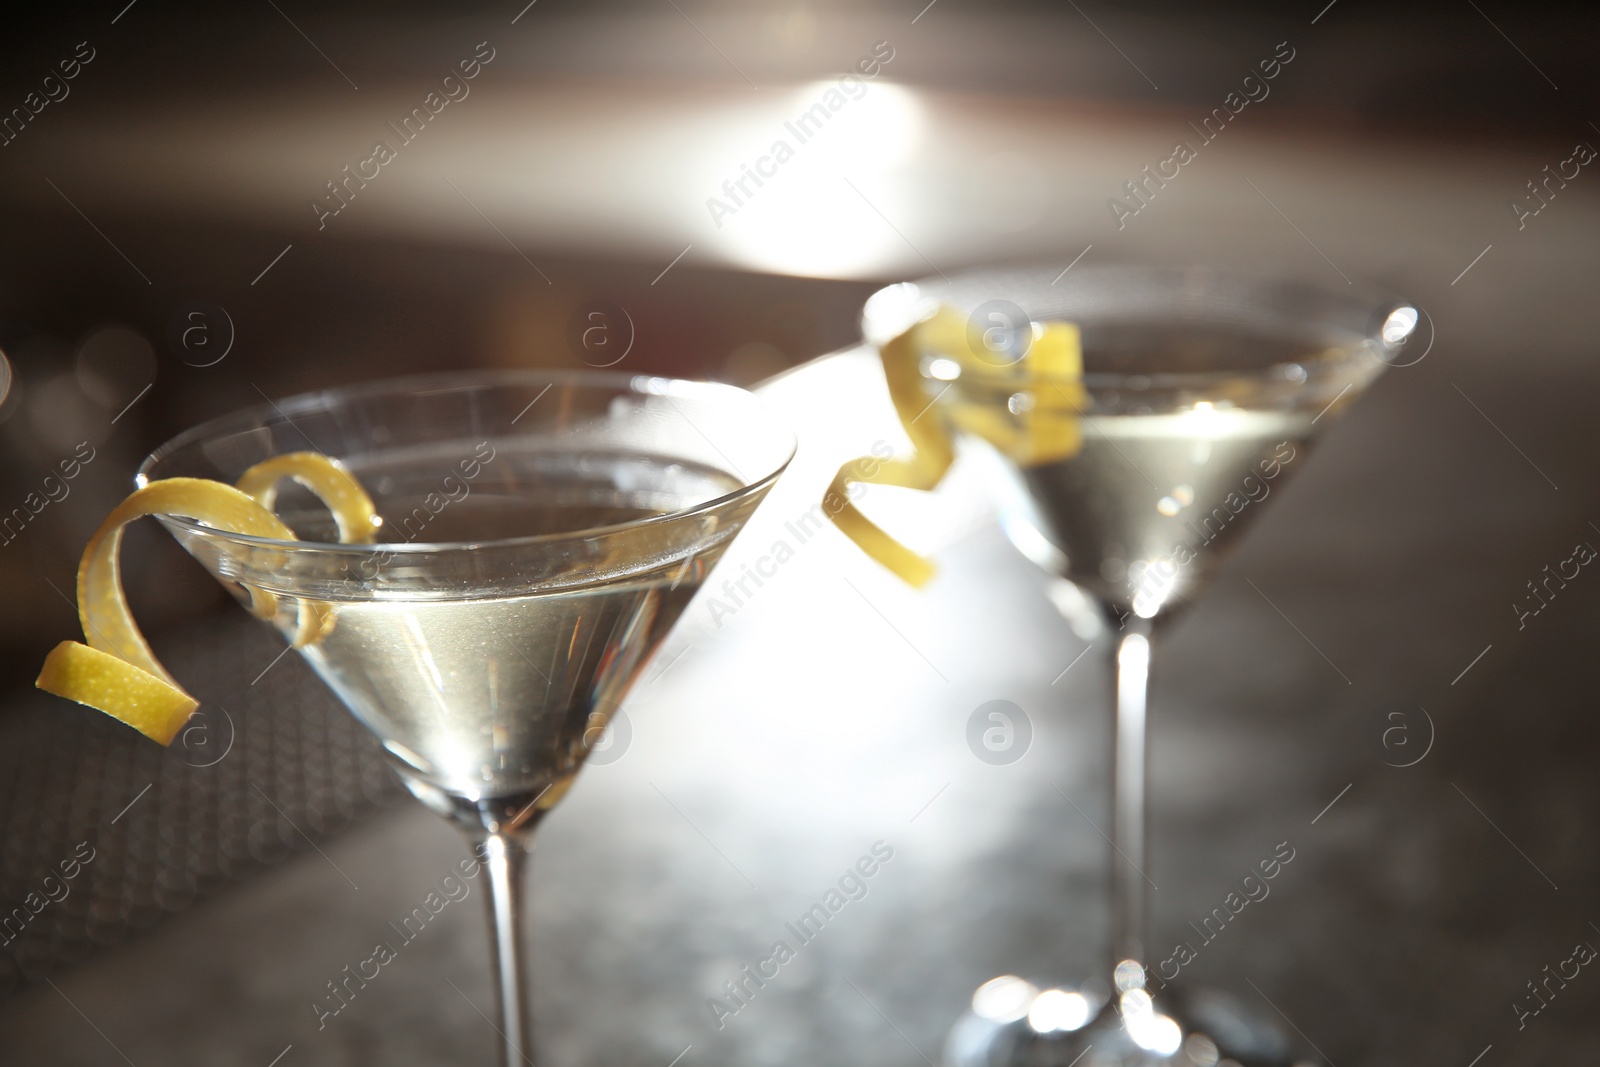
910, 302
657, 385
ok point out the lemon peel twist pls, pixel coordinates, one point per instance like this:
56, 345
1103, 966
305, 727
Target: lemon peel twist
1046, 380
335, 486
115, 671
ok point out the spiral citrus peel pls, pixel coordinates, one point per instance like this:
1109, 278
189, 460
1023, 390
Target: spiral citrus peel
1040, 422
116, 672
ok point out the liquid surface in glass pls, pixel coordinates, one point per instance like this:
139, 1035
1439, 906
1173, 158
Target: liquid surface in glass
1171, 470
482, 696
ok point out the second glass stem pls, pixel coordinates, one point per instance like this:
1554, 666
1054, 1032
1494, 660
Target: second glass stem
1130, 664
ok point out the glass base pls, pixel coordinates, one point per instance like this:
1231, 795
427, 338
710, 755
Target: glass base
1013, 1025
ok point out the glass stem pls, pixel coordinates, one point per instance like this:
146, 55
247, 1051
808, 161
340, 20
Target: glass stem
506, 858
1130, 761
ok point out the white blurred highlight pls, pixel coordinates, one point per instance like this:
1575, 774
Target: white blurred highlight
806, 218
1056, 1010
1005, 999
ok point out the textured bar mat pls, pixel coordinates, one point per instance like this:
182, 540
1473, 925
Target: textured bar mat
104, 833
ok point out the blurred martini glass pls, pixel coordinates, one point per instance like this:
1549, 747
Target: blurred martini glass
542, 533
1129, 485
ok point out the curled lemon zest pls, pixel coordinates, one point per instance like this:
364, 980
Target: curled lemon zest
931, 456
1044, 423
156, 708
353, 513
332, 483
115, 671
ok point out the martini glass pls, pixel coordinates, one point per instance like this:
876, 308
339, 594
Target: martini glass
540, 534
1200, 397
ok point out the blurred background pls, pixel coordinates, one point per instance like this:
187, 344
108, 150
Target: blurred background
168, 220
195, 214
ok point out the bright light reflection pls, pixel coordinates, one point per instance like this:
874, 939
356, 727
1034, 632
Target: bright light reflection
1398, 326
1004, 999
407, 755
1154, 1032
423, 652
1148, 1028
1056, 1010
893, 310
1204, 421
877, 122
804, 217
1133, 662
946, 370
1153, 584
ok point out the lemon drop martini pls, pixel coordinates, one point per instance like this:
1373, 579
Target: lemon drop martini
1134, 424
479, 565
